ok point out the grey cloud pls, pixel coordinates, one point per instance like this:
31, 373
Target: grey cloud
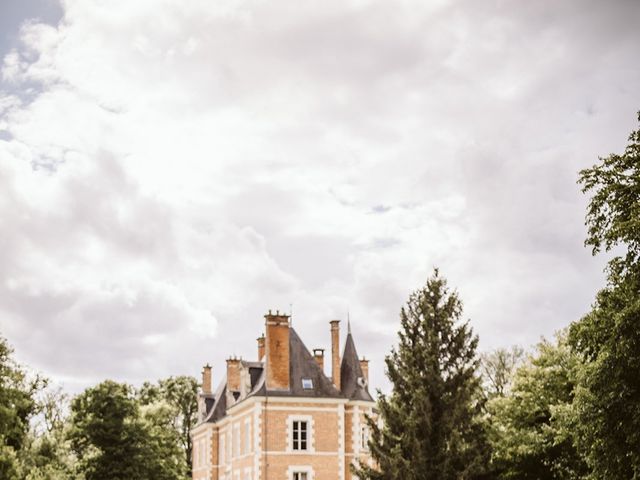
327, 157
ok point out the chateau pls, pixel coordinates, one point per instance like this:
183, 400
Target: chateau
280, 417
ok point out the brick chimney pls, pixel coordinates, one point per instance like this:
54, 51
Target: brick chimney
233, 374
318, 355
261, 341
206, 379
364, 366
277, 350
335, 352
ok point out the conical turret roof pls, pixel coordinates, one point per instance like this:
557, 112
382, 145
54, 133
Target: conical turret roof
353, 383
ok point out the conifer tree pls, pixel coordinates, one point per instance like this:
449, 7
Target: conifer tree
429, 425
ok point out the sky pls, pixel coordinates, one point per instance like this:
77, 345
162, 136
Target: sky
170, 171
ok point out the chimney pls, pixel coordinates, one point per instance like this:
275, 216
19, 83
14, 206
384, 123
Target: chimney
277, 351
318, 354
335, 352
233, 374
206, 379
261, 347
364, 366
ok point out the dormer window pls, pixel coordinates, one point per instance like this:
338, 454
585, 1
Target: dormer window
307, 383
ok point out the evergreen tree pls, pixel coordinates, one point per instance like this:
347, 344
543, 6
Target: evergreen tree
430, 426
607, 402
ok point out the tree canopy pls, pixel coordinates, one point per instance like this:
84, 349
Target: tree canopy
607, 402
115, 440
530, 429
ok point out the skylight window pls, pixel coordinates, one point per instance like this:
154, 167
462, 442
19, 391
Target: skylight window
307, 383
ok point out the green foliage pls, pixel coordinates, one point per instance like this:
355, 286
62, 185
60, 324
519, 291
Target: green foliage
114, 440
48, 455
430, 422
530, 428
608, 397
613, 214
180, 395
607, 404
17, 407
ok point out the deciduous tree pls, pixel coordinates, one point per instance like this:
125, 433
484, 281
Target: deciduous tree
17, 407
115, 441
607, 403
530, 427
180, 394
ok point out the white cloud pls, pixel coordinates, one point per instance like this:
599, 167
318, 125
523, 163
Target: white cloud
171, 170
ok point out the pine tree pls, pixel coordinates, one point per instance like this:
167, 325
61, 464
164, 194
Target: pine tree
429, 425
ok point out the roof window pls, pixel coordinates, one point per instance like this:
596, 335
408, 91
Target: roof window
307, 383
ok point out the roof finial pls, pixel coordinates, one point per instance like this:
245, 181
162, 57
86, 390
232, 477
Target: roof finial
348, 324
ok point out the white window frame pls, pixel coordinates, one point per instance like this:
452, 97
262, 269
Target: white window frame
310, 433
247, 436
293, 469
228, 445
223, 449
236, 440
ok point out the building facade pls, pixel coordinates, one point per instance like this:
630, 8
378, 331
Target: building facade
280, 417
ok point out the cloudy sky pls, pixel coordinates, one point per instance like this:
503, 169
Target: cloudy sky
170, 170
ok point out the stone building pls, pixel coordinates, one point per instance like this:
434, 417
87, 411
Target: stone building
280, 417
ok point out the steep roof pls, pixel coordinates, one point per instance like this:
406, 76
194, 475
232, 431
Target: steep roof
302, 365
352, 382
218, 408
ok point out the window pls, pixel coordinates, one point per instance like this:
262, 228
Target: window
307, 383
247, 436
236, 440
300, 476
364, 438
300, 430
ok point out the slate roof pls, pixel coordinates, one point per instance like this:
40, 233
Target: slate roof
302, 365
352, 382
219, 404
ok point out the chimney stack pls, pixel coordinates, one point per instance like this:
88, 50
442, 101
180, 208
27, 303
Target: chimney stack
335, 352
277, 350
364, 366
318, 354
233, 374
206, 379
261, 341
